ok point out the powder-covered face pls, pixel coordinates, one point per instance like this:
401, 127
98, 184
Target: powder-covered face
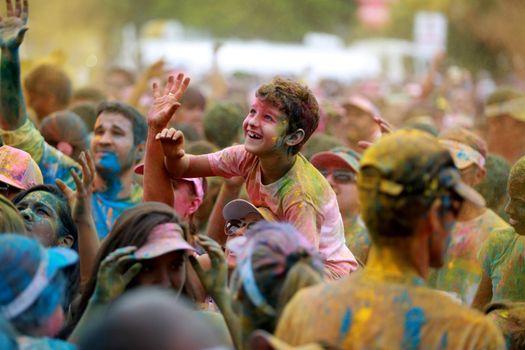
515, 207
40, 214
112, 144
264, 128
166, 271
184, 196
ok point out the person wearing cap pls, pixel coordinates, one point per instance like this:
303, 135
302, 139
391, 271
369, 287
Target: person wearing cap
409, 202
462, 270
18, 171
239, 216
188, 195
340, 166
274, 261
503, 252
357, 122
505, 113
117, 144
147, 246
32, 288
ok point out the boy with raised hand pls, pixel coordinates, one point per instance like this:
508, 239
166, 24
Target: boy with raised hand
409, 201
281, 119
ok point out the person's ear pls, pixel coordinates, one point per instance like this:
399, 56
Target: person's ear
194, 205
435, 216
480, 175
65, 148
66, 242
139, 153
294, 138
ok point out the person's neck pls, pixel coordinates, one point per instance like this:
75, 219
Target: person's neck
470, 212
399, 258
275, 166
117, 186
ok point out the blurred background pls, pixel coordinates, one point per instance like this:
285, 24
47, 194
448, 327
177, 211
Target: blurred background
315, 39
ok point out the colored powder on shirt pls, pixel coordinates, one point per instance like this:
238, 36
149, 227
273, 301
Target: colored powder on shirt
461, 272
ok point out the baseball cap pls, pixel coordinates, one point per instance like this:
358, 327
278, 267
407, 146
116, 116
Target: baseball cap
339, 155
463, 154
239, 208
413, 162
18, 169
362, 103
163, 239
199, 183
26, 268
514, 108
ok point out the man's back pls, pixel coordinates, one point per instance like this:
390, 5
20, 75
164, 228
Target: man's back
374, 309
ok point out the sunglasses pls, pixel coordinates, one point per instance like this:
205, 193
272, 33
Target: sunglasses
234, 225
340, 176
4, 187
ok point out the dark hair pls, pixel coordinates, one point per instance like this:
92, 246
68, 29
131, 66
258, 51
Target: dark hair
89, 94
222, 123
140, 127
193, 98
88, 113
51, 79
67, 225
130, 229
298, 104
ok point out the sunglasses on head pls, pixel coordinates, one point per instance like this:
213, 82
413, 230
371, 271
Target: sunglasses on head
340, 176
4, 187
232, 226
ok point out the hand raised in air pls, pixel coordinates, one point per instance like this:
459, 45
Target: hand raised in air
166, 102
13, 26
172, 141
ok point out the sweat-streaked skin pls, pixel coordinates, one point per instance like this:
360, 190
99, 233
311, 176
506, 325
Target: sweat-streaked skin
40, 216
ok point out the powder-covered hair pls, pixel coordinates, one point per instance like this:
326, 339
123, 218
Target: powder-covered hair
298, 104
283, 262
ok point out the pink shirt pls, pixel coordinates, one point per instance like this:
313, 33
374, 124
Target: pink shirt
301, 197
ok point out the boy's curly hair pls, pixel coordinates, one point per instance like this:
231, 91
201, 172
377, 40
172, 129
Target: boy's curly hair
298, 104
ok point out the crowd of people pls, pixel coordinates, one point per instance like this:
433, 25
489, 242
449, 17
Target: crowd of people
161, 213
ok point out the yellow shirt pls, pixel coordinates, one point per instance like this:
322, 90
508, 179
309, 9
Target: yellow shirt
382, 307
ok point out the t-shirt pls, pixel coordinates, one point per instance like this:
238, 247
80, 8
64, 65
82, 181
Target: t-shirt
53, 163
461, 272
504, 263
301, 197
56, 165
375, 309
357, 238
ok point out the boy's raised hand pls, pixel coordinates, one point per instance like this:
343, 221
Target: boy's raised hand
172, 141
13, 25
166, 102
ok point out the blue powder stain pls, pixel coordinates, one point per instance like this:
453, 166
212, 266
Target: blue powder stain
110, 163
414, 321
444, 341
345, 326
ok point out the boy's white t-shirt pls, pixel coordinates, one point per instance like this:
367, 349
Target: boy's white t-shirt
302, 197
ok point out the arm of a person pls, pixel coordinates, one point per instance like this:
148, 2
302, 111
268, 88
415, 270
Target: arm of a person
188, 166
229, 191
12, 106
157, 182
484, 293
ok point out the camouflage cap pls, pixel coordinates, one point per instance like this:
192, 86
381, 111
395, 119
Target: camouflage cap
413, 163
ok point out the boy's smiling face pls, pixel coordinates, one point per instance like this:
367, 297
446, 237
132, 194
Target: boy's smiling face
264, 128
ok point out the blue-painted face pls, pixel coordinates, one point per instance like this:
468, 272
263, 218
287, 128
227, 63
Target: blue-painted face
110, 162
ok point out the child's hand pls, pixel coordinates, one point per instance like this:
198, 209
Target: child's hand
172, 141
166, 103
